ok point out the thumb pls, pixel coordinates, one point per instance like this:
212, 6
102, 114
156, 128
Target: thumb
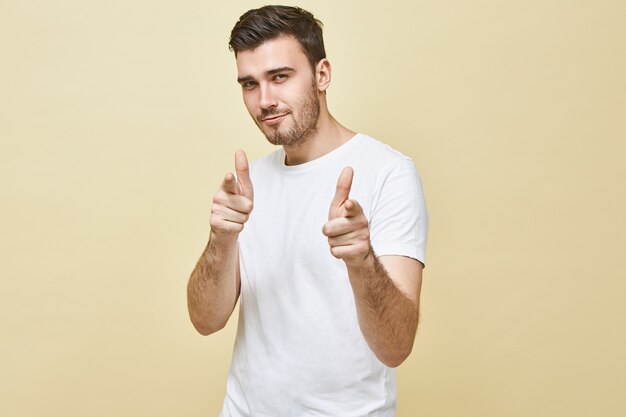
352, 208
243, 174
344, 184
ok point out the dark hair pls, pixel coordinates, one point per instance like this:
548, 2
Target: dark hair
257, 26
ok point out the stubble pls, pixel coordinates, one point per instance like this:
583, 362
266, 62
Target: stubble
305, 115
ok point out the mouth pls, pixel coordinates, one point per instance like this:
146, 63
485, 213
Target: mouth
274, 119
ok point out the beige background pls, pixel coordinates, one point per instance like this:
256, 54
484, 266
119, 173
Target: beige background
119, 118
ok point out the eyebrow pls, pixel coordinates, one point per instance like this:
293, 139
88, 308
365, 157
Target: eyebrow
267, 73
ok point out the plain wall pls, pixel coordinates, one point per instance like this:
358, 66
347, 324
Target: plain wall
118, 120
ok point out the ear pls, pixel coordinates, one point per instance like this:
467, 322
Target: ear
322, 74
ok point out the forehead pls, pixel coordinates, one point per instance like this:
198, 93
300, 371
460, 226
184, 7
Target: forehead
284, 51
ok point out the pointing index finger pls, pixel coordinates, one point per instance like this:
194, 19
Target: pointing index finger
344, 185
242, 169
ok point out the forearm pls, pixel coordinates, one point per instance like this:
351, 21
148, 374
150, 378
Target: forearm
212, 289
387, 317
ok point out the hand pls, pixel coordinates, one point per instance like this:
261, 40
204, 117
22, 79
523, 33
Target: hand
233, 202
347, 228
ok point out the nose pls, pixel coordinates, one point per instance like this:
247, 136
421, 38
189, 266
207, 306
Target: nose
267, 98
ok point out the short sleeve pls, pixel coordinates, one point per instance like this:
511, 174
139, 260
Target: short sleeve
398, 218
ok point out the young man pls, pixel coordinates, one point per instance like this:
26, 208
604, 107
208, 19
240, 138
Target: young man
329, 263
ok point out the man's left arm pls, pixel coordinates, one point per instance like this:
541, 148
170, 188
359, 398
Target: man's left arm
386, 289
386, 292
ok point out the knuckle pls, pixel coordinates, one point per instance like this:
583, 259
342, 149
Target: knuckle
219, 227
219, 198
364, 248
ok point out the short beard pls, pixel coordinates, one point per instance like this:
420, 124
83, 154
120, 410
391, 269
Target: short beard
303, 127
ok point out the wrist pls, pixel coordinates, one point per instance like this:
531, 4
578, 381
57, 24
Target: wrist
222, 240
366, 262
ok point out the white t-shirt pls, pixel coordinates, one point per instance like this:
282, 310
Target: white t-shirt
299, 350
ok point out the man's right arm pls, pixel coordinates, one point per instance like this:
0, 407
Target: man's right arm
214, 284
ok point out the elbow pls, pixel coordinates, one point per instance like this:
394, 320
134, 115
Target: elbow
395, 357
393, 361
204, 320
206, 328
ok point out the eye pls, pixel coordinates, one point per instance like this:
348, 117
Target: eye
248, 85
280, 77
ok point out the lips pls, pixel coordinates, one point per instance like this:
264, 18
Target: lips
274, 118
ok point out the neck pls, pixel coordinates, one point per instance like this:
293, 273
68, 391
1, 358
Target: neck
329, 135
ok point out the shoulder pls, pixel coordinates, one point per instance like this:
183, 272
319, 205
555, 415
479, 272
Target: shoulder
379, 156
377, 160
376, 149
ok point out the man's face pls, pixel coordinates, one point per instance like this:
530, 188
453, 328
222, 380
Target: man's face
279, 90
